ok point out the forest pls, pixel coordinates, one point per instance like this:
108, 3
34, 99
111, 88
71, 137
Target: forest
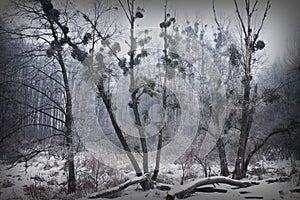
135, 99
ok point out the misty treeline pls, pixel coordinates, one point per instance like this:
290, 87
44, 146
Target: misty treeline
251, 104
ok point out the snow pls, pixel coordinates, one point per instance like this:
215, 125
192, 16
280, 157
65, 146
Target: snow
274, 191
44, 177
38, 173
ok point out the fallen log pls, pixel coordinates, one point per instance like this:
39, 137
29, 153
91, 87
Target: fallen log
295, 189
244, 192
163, 187
182, 191
209, 190
281, 179
116, 191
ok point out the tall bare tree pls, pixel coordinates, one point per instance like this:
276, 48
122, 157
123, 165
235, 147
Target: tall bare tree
48, 33
101, 81
250, 45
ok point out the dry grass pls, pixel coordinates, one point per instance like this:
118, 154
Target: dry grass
7, 183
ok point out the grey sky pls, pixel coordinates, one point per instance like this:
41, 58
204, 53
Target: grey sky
282, 22
281, 26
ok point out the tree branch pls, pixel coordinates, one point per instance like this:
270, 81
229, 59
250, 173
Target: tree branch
265, 140
124, 9
240, 18
253, 8
37, 90
215, 15
268, 6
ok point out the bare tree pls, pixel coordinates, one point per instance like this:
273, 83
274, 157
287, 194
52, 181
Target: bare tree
250, 44
49, 33
100, 78
167, 22
132, 14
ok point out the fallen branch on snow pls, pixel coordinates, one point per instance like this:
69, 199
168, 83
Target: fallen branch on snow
116, 191
209, 190
281, 179
295, 189
183, 191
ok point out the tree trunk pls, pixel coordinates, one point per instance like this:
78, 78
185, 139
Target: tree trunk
222, 156
250, 39
69, 134
141, 132
71, 176
164, 99
239, 165
160, 136
158, 153
68, 102
146, 183
117, 129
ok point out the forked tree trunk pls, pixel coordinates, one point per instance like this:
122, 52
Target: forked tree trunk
250, 39
132, 63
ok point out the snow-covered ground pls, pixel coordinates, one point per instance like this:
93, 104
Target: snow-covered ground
44, 177
274, 191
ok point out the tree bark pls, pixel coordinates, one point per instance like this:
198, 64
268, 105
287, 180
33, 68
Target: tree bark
158, 153
69, 134
222, 156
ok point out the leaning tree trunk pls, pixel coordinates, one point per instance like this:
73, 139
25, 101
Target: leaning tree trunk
107, 103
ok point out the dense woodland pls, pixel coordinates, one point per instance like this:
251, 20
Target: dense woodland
94, 79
